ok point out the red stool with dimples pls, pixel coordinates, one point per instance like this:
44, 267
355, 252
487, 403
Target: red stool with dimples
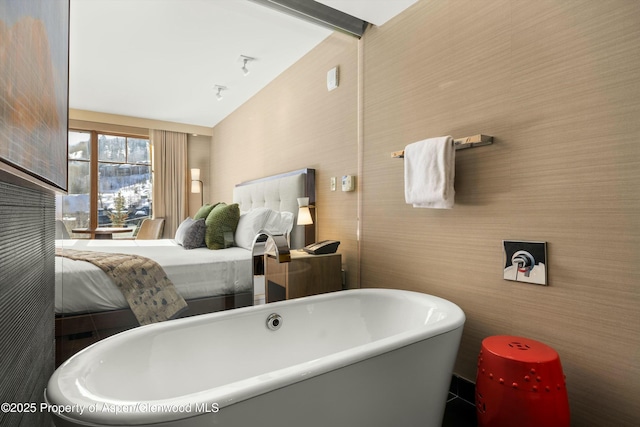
520, 383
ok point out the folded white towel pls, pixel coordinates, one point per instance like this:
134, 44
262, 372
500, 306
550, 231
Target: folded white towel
429, 172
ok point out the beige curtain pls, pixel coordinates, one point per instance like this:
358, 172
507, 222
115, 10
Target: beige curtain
170, 186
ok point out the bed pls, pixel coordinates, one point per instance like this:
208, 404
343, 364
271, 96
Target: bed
90, 307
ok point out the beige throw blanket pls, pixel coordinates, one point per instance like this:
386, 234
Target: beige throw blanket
144, 284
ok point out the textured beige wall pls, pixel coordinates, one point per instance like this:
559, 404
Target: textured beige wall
557, 83
296, 123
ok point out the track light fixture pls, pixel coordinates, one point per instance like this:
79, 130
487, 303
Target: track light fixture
245, 60
219, 90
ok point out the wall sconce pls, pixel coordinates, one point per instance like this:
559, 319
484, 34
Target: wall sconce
304, 214
245, 60
196, 184
219, 90
306, 218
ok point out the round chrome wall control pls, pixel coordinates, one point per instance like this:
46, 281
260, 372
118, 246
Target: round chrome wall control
274, 321
523, 260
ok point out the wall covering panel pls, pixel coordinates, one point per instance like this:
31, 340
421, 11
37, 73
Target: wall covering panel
557, 84
26, 300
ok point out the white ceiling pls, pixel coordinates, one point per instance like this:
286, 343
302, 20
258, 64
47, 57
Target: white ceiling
160, 59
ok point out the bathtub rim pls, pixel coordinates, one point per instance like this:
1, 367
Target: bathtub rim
248, 388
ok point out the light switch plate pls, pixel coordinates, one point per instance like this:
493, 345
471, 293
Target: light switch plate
332, 79
334, 183
525, 261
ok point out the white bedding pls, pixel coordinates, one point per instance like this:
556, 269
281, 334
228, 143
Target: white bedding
196, 273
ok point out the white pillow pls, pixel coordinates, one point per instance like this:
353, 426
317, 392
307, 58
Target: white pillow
279, 223
249, 225
258, 219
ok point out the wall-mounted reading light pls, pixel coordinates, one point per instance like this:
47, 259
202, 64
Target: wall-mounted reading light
219, 90
305, 218
304, 214
196, 184
245, 60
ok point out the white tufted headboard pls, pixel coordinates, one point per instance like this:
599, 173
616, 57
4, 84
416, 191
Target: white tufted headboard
279, 192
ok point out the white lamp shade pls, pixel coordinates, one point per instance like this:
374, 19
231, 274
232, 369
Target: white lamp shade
195, 176
195, 186
304, 216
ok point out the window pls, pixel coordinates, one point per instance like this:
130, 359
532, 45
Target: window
124, 169
74, 208
120, 187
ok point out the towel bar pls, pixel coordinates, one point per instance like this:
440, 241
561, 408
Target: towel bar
459, 143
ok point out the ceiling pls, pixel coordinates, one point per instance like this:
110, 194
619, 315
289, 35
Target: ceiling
161, 59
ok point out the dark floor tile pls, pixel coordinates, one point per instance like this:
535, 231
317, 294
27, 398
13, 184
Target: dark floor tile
453, 386
459, 413
466, 390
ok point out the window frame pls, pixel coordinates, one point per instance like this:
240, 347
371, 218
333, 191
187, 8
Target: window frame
94, 163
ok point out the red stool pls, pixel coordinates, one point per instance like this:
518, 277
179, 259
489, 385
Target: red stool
520, 383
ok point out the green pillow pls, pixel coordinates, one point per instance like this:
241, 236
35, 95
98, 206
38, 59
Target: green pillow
222, 219
204, 211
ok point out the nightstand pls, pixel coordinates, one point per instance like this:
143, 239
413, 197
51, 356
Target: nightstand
305, 275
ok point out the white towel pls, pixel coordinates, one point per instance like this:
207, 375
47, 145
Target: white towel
429, 172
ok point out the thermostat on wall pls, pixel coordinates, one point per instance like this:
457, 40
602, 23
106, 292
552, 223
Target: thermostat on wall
332, 79
348, 183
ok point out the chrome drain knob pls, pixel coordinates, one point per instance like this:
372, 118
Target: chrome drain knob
274, 321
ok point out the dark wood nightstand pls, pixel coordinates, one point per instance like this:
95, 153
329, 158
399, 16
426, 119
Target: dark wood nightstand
305, 275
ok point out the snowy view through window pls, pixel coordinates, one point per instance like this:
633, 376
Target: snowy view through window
124, 167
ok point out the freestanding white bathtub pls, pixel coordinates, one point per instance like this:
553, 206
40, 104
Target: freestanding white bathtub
367, 357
